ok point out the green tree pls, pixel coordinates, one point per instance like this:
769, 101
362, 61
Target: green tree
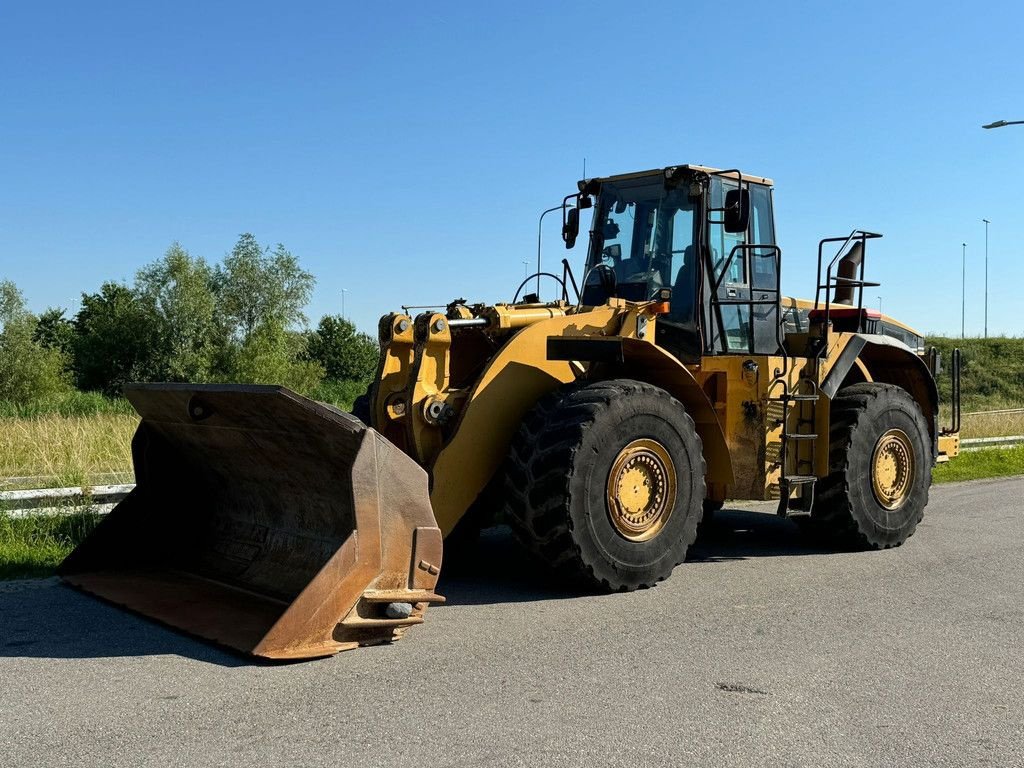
117, 340
55, 331
29, 371
12, 303
345, 354
258, 287
180, 290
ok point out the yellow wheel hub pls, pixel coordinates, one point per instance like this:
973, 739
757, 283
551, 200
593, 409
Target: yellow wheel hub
641, 489
892, 469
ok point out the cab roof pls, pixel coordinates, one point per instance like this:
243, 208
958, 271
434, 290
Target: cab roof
704, 168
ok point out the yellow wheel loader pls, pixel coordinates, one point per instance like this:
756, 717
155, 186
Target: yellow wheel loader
601, 426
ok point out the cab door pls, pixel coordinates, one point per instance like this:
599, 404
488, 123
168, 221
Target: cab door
764, 280
735, 329
730, 321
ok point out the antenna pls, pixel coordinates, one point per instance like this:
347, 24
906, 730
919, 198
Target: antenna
584, 167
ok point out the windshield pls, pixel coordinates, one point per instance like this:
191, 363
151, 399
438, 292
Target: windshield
644, 235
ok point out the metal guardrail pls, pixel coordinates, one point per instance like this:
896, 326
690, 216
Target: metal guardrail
1003, 412
62, 501
977, 443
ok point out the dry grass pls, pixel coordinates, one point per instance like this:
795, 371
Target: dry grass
992, 425
71, 450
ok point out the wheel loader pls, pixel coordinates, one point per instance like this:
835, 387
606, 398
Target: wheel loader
601, 425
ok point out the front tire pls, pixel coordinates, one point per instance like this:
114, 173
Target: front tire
605, 483
880, 461
361, 407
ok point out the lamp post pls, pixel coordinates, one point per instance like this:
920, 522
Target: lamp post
1003, 123
987, 222
879, 304
963, 291
343, 292
525, 265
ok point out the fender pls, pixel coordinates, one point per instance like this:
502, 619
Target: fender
511, 384
889, 361
521, 373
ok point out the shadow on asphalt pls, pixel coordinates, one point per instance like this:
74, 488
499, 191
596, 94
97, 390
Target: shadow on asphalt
499, 571
55, 621
734, 534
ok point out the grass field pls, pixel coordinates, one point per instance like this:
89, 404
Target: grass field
992, 424
992, 375
71, 403
976, 465
34, 546
67, 450
79, 438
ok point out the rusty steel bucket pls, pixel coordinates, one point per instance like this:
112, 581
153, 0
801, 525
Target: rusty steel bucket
266, 522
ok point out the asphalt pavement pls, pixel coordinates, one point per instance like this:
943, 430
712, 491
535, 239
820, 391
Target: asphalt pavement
761, 650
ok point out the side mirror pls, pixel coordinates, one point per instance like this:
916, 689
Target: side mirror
737, 210
571, 227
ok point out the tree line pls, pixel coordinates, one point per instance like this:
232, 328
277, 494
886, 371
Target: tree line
183, 319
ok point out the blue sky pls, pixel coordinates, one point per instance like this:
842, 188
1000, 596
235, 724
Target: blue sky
404, 151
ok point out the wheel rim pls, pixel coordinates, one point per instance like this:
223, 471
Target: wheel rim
641, 490
893, 469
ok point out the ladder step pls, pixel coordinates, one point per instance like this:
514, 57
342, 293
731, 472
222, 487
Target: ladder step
799, 479
798, 436
852, 282
795, 398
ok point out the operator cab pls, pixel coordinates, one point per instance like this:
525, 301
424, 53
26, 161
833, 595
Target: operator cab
680, 228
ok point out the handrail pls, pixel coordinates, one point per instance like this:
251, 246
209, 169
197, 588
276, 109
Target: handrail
855, 235
717, 302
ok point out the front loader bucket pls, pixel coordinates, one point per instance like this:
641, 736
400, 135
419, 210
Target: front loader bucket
265, 522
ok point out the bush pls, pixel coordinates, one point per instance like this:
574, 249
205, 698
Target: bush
345, 354
340, 394
29, 371
273, 355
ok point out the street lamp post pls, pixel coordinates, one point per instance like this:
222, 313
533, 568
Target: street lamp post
987, 222
343, 292
1003, 123
879, 305
963, 291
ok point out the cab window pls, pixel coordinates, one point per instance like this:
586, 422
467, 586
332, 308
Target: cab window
762, 232
723, 242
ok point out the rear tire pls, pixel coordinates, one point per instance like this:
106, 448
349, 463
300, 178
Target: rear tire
880, 461
605, 483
